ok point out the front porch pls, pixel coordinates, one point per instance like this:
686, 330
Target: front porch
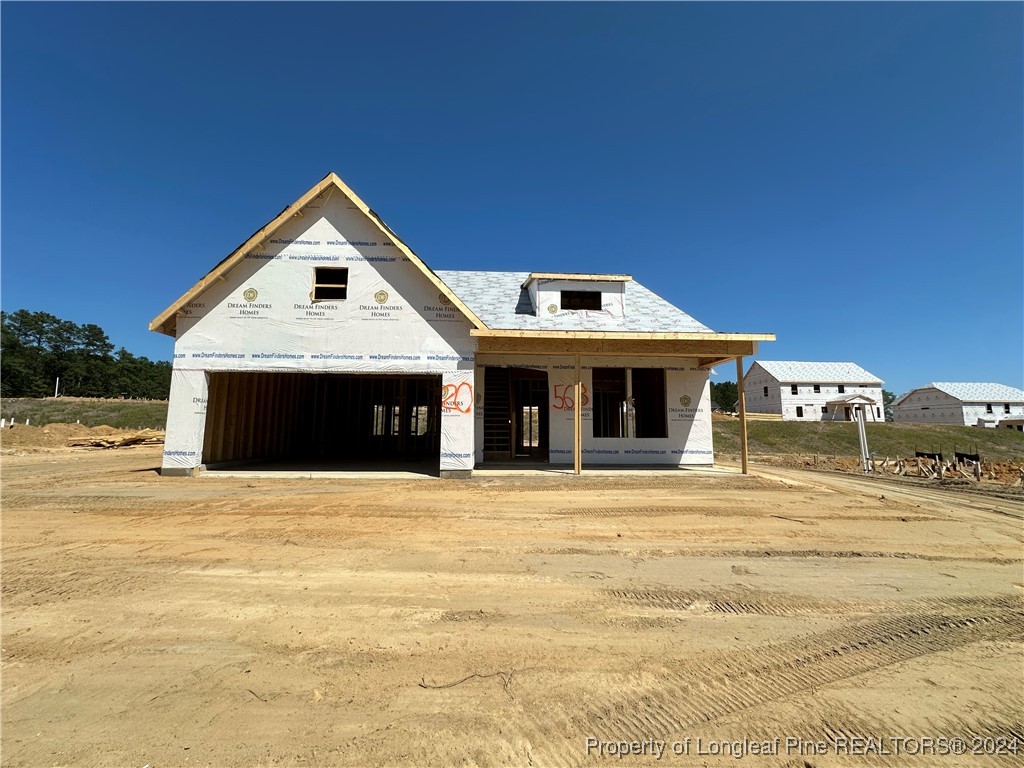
644, 400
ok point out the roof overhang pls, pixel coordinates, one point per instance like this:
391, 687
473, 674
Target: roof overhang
707, 348
576, 277
165, 322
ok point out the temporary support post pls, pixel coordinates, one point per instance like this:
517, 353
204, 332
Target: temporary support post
743, 414
577, 421
865, 458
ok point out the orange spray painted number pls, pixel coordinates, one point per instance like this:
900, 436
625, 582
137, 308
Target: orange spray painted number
457, 397
564, 397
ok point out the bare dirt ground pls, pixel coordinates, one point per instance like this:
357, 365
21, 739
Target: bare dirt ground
224, 622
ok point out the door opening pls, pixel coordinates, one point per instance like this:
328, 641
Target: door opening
515, 414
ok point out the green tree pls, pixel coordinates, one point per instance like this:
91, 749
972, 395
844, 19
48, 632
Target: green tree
22, 371
724, 395
887, 400
38, 348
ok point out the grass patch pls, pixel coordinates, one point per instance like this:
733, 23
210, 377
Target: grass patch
886, 439
123, 414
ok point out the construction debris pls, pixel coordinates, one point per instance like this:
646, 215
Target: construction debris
145, 437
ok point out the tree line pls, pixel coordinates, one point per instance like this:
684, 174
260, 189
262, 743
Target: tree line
724, 395
38, 348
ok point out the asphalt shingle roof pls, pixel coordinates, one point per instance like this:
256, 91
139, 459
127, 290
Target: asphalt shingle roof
497, 299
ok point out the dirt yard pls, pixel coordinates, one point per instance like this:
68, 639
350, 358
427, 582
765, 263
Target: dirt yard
785, 619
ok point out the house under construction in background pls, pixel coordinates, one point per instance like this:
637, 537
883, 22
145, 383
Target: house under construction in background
982, 404
813, 391
324, 340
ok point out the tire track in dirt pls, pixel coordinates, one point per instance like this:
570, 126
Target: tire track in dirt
847, 553
765, 553
654, 512
644, 512
35, 585
897, 739
775, 604
691, 698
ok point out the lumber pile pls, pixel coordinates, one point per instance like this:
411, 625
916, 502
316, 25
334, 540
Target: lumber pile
119, 440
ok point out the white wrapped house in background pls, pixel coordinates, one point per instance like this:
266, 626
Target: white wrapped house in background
813, 391
969, 403
324, 340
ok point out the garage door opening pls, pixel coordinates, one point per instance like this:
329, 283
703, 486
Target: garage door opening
322, 421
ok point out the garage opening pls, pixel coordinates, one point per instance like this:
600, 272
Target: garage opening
320, 419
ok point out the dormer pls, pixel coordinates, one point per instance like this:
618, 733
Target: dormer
554, 294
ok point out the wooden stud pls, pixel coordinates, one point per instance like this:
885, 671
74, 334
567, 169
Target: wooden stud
214, 413
210, 416
242, 426
293, 412
252, 415
270, 423
743, 414
286, 412
711, 362
225, 400
230, 417
281, 415
263, 399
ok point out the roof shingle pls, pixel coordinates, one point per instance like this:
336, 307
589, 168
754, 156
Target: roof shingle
497, 299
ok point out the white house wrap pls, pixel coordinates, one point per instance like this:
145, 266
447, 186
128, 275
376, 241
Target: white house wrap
325, 340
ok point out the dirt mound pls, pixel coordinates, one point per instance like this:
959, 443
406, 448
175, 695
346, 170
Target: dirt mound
29, 439
1007, 472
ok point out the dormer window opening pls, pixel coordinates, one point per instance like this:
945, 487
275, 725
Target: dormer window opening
581, 300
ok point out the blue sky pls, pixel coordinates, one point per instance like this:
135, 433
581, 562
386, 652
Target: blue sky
848, 176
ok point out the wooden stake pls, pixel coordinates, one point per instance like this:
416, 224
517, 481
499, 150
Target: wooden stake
743, 414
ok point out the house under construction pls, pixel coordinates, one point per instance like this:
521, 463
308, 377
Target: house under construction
323, 340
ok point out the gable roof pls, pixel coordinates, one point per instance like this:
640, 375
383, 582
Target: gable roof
165, 321
499, 299
794, 372
854, 398
971, 392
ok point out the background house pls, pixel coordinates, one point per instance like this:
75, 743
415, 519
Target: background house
961, 402
810, 391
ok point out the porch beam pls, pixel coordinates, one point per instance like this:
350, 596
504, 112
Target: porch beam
621, 335
724, 350
577, 420
743, 414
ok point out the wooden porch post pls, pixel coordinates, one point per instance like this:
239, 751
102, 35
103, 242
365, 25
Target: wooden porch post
577, 421
743, 413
